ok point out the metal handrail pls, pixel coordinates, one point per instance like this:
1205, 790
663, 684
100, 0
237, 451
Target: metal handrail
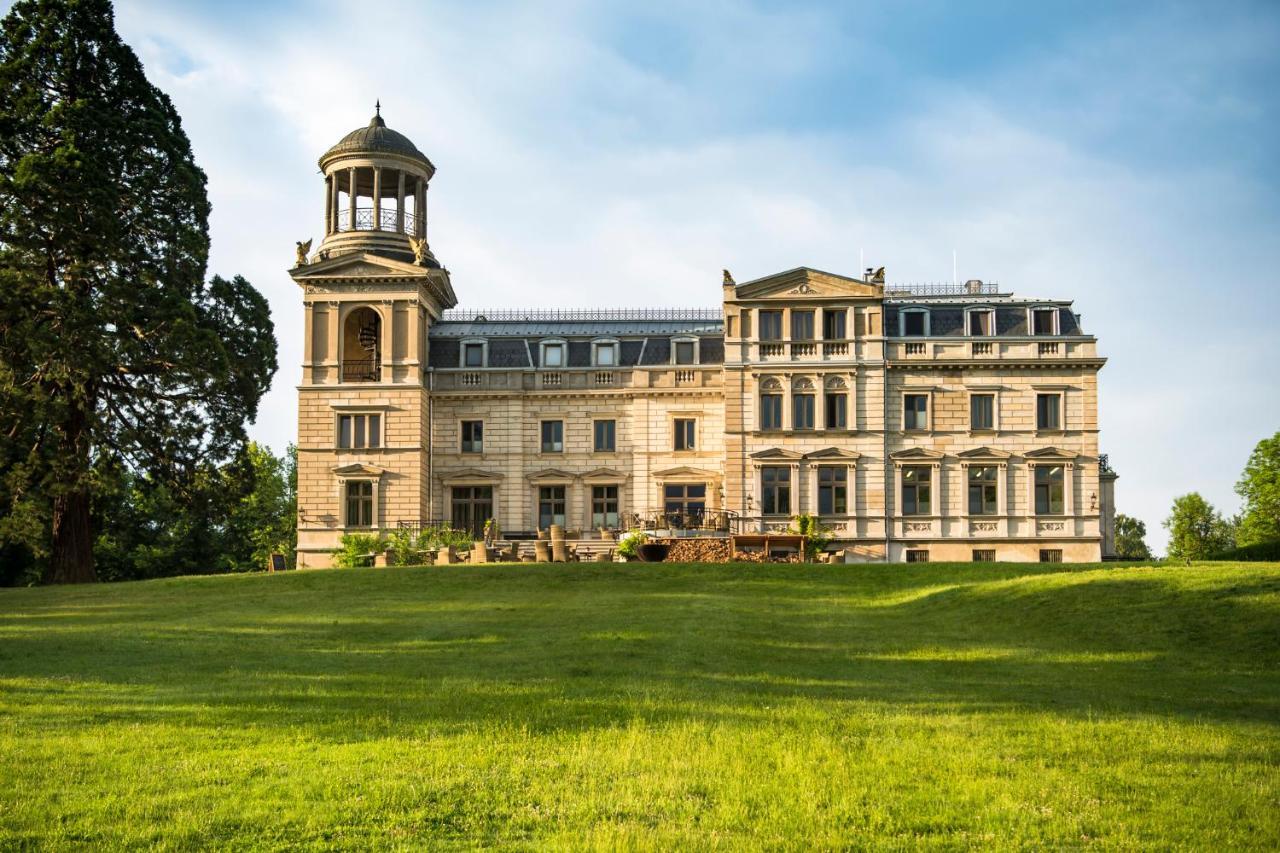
501, 315
715, 520
387, 219
361, 370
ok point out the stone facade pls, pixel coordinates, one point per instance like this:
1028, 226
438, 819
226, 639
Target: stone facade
959, 424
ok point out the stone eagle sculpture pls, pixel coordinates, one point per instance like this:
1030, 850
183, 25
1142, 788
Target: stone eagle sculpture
303, 248
728, 278
420, 249
877, 277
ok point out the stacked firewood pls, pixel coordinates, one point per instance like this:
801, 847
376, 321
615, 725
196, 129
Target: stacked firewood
761, 557
699, 551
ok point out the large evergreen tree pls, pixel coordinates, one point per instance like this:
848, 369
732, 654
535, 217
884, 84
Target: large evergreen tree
112, 345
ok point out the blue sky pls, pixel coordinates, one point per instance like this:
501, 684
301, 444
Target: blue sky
1123, 155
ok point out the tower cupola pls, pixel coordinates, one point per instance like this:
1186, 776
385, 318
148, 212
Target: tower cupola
376, 195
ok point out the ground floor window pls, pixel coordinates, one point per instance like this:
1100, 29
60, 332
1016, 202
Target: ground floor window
917, 555
1049, 491
1051, 555
550, 506
984, 555
833, 490
775, 490
359, 495
604, 506
472, 507
983, 489
685, 501
917, 492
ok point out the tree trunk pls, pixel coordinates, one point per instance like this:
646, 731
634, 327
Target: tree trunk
71, 560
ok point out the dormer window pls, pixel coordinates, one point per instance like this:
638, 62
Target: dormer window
685, 351
553, 354
1044, 321
913, 322
473, 354
982, 322
604, 354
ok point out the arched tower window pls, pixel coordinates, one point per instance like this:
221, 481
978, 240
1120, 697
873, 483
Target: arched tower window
362, 346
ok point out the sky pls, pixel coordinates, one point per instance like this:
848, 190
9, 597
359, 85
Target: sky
1123, 155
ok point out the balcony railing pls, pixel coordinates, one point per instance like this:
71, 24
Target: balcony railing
361, 370
707, 520
387, 221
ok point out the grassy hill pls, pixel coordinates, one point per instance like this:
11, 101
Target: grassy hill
647, 706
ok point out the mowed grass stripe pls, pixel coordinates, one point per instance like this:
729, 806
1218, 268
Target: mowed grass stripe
642, 706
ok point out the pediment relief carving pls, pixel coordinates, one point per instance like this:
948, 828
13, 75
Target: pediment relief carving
807, 282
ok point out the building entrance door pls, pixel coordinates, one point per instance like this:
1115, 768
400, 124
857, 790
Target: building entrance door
472, 507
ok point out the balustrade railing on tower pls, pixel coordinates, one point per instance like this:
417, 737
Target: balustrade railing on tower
388, 220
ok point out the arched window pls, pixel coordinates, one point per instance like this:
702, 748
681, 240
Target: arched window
362, 346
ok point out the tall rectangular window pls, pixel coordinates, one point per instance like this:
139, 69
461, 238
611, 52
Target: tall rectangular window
915, 411
686, 434
770, 411
801, 325
917, 491
686, 352
802, 411
473, 355
770, 325
604, 506
983, 482
684, 503
837, 415
606, 436
833, 492
1049, 489
359, 431
982, 323
1043, 321
982, 411
359, 503
471, 507
1048, 411
553, 436
775, 489
550, 506
833, 323
473, 436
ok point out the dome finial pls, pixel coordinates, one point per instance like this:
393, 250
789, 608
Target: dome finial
377, 107
377, 121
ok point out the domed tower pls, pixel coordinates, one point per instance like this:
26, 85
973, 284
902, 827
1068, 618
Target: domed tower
370, 292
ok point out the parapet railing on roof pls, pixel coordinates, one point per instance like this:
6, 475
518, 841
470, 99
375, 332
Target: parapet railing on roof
944, 288
517, 315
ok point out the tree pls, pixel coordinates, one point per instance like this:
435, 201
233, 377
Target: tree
264, 521
1131, 535
1196, 530
115, 353
1259, 486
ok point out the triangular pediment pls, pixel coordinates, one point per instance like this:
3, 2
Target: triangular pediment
605, 475
358, 265
1049, 453
833, 453
984, 453
359, 469
917, 453
685, 471
478, 475
777, 453
807, 283
550, 475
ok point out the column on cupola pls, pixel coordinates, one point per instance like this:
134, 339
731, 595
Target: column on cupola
351, 199
419, 207
400, 206
328, 207
377, 198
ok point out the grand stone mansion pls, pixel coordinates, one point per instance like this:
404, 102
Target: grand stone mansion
949, 423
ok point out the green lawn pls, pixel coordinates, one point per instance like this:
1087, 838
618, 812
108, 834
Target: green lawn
647, 706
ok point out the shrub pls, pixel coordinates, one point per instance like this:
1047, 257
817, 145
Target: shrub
818, 536
404, 548
444, 536
629, 544
1258, 552
356, 550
